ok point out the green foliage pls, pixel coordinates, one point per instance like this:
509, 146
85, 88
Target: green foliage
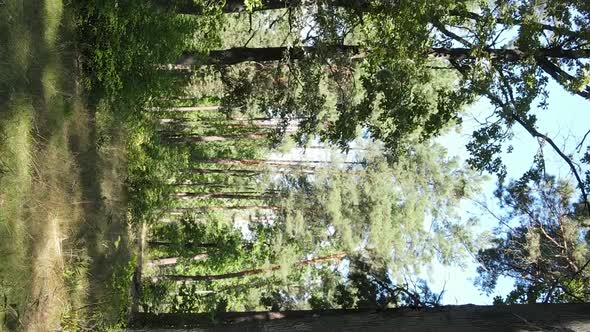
542, 244
126, 46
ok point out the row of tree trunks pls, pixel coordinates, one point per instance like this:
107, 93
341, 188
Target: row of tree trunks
464, 318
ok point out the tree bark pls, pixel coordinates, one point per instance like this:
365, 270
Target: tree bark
273, 162
181, 211
186, 109
224, 195
174, 260
237, 6
188, 138
176, 277
464, 318
188, 245
244, 54
243, 172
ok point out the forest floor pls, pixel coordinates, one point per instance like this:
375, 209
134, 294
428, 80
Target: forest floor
65, 248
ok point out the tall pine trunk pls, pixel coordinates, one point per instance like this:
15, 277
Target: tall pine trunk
174, 260
266, 54
237, 6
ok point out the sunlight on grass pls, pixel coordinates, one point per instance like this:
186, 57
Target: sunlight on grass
52, 215
53, 15
50, 81
15, 184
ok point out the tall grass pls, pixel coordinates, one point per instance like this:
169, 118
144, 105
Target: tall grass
63, 231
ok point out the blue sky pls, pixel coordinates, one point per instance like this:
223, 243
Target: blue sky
566, 121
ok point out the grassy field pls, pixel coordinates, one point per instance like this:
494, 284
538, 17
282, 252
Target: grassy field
65, 257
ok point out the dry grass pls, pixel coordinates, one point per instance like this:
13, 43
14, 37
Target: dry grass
63, 231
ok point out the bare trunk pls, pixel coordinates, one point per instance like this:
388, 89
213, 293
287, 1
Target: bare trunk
188, 245
237, 6
181, 211
235, 172
186, 109
274, 162
272, 54
334, 257
188, 138
174, 260
242, 195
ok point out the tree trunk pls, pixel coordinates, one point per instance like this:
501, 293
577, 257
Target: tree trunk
188, 245
226, 195
243, 172
174, 260
237, 6
186, 109
273, 162
265, 54
333, 257
180, 211
188, 138
464, 318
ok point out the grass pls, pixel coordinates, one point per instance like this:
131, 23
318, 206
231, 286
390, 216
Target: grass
64, 240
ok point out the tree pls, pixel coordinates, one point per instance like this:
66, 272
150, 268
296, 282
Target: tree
542, 243
379, 212
245, 273
390, 46
570, 317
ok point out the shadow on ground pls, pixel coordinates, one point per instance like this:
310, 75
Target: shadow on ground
64, 239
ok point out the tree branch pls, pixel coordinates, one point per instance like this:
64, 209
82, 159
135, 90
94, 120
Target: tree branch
562, 77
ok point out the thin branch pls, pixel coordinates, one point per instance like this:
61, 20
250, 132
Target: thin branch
542, 26
441, 27
562, 77
535, 133
579, 146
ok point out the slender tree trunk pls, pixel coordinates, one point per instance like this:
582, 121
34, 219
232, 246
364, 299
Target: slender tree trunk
174, 260
180, 138
181, 211
253, 173
333, 257
232, 172
237, 6
189, 195
266, 54
186, 109
188, 245
274, 162
464, 318
215, 185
